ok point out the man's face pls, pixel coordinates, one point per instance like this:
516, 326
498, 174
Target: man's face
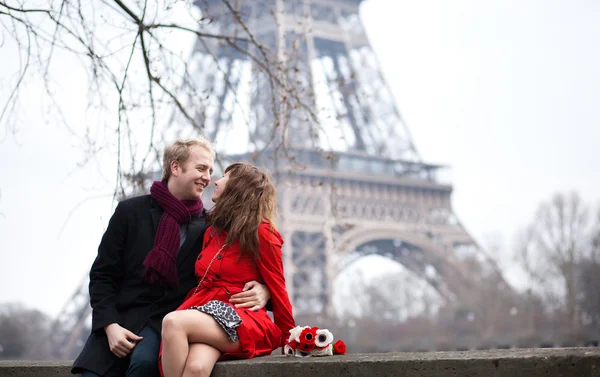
190, 180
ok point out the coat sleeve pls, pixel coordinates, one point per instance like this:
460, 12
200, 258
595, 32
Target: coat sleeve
270, 266
106, 273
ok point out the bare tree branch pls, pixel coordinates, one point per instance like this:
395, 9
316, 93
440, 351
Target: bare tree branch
121, 44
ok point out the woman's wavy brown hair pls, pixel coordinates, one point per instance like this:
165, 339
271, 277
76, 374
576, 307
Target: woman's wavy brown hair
248, 199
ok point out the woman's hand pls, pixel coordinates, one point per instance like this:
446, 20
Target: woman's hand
254, 296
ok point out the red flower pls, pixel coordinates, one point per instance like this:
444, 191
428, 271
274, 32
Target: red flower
304, 347
339, 348
308, 336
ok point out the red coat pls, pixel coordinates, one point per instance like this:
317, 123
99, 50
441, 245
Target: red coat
258, 334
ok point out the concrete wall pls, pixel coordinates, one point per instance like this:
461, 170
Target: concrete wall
557, 362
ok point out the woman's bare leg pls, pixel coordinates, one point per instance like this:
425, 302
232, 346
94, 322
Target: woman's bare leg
183, 327
201, 360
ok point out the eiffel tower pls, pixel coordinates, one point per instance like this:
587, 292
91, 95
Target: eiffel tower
365, 190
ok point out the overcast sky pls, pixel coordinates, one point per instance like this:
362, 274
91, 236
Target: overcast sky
505, 92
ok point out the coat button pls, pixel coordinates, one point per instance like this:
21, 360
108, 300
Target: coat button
217, 276
220, 257
227, 291
199, 256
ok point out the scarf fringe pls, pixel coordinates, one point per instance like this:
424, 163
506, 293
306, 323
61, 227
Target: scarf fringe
161, 267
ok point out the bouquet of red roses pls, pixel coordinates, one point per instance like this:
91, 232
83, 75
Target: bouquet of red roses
312, 341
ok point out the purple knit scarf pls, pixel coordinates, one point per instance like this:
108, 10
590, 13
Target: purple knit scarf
161, 261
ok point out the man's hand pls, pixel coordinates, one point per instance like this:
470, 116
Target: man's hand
254, 296
120, 340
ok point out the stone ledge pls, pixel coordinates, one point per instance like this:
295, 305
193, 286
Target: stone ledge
555, 362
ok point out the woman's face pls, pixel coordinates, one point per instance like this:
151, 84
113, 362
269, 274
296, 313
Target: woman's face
221, 184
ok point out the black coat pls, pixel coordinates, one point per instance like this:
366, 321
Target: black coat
119, 293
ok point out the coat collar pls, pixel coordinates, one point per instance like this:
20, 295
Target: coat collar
195, 230
156, 213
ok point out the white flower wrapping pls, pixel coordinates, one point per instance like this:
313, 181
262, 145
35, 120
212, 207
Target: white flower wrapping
295, 333
327, 351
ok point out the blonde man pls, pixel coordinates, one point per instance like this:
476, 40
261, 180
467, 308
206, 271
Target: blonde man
145, 266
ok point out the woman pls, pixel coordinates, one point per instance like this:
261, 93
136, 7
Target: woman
240, 245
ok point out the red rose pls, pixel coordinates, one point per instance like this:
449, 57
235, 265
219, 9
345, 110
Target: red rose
308, 336
339, 348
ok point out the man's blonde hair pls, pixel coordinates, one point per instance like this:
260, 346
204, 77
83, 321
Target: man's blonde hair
180, 151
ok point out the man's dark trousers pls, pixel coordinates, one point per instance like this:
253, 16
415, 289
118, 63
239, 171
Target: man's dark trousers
141, 362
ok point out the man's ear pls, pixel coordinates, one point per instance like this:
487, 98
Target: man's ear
175, 168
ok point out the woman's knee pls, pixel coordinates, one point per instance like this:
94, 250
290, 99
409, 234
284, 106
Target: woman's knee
172, 323
197, 368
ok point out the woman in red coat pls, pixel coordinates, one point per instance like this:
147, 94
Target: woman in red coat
240, 245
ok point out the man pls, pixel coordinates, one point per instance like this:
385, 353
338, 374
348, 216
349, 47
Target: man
145, 266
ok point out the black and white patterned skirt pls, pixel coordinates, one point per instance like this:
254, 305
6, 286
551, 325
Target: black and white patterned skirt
225, 316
